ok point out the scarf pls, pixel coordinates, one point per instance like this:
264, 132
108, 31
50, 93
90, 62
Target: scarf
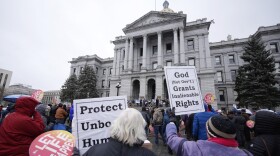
225, 142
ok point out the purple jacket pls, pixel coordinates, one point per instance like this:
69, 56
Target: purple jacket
201, 147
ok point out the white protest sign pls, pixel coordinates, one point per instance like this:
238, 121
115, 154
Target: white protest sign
183, 89
93, 117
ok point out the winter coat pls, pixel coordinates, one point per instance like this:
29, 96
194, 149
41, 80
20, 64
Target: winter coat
116, 148
41, 109
267, 132
71, 113
60, 113
19, 129
199, 125
201, 147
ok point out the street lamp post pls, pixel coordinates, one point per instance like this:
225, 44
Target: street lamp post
118, 86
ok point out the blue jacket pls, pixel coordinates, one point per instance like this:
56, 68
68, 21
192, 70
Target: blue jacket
199, 125
201, 147
71, 113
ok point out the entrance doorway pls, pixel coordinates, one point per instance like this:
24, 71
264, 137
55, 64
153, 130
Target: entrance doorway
151, 89
136, 89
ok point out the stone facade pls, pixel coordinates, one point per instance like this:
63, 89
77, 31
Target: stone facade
51, 97
165, 38
5, 78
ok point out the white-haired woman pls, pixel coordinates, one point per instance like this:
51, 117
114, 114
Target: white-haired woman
127, 137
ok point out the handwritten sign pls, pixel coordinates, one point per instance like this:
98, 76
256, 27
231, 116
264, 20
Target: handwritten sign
93, 117
54, 143
183, 89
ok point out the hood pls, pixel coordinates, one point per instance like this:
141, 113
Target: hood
267, 123
26, 105
41, 108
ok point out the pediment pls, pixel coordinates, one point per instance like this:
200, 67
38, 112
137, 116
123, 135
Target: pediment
153, 17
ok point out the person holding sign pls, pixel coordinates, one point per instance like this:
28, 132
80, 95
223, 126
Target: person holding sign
221, 140
20, 128
127, 137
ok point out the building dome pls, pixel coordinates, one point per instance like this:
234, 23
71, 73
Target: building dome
165, 7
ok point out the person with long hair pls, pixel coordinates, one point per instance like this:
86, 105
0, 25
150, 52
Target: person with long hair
127, 135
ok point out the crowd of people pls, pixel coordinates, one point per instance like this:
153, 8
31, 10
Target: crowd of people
205, 133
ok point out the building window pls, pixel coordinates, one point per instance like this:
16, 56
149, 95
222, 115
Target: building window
233, 75
191, 62
277, 67
231, 59
220, 76
102, 85
96, 70
74, 71
107, 94
5, 80
222, 95
190, 44
101, 95
274, 47
155, 50
109, 83
218, 60
111, 69
122, 67
81, 69
1, 75
141, 52
123, 54
104, 71
168, 63
155, 65
140, 66
168, 48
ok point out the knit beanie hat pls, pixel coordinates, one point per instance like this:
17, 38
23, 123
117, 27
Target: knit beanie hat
221, 127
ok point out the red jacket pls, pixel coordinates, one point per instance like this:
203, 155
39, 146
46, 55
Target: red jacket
19, 129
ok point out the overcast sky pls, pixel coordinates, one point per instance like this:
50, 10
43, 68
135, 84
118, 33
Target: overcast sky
39, 37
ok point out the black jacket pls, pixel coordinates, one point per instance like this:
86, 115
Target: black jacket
264, 144
116, 148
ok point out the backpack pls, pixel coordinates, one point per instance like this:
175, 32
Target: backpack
158, 117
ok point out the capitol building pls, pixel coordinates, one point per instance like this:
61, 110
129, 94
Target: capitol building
166, 38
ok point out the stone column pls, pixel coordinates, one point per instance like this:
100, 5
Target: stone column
118, 62
176, 53
126, 54
201, 52
159, 86
207, 52
115, 62
130, 59
182, 47
144, 58
159, 57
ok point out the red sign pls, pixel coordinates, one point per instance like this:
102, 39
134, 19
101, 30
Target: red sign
54, 143
38, 95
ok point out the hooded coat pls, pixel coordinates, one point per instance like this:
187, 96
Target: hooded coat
19, 129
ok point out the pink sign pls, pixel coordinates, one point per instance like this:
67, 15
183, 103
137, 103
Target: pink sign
209, 98
38, 95
55, 143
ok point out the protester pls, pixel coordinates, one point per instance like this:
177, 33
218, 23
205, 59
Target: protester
41, 108
158, 125
60, 114
52, 113
221, 133
146, 118
267, 134
239, 123
199, 128
20, 128
10, 109
127, 136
